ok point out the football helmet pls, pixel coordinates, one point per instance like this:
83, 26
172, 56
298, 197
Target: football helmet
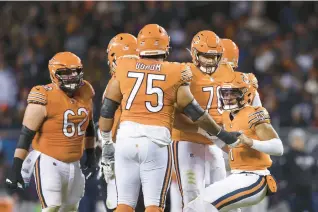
206, 51
238, 93
123, 44
231, 53
153, 40
66, 71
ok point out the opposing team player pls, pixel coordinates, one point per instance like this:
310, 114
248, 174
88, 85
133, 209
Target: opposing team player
250, 180
58, 123
122, 45
147, 89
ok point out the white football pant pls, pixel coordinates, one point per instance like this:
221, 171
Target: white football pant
143, 157
236, 191
58, 184
197, 165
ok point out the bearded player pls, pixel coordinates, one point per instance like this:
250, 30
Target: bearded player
198, 162
122, 45
147, 89
58, 123
250, 180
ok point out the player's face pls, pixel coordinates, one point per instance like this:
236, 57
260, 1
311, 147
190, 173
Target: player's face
69, 79
209, 61
231, 97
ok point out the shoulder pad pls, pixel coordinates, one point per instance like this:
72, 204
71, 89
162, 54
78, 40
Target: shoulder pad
88, 89
186, 74
38, 94
253, 80
258, 116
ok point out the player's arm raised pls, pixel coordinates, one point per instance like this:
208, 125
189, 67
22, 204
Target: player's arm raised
33, 118
192, 109
269, 142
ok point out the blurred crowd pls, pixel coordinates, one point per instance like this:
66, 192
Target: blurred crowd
277, 42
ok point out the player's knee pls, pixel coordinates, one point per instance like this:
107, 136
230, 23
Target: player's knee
153, 208
124, 208
51, 209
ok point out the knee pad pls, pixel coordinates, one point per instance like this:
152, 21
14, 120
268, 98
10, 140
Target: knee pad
124, 208
153, 208
51, 209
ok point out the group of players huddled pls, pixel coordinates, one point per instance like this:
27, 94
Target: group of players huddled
165, 117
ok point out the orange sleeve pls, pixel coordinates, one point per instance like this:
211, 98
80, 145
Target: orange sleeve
259, 116
38, 95
253, 80
186, 74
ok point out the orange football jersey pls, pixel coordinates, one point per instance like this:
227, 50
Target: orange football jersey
61, 135
205, 90
243, 157
149, 89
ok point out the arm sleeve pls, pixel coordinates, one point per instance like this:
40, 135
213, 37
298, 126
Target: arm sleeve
272, 147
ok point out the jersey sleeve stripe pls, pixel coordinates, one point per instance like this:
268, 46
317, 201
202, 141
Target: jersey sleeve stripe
36, 97
258, 112
37, 93
36, 100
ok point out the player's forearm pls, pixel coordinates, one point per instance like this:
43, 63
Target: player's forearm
208, 124
89, 142
183, 123
105, 124
272, 147
24, 143
20, 153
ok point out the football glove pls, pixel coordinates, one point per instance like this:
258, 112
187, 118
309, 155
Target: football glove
14, 181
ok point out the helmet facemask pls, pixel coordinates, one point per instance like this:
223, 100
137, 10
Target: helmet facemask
69, 80
232, 98
207, 62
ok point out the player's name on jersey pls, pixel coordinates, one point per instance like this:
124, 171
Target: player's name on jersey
154, 67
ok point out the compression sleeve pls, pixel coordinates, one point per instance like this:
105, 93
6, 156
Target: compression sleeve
272, 147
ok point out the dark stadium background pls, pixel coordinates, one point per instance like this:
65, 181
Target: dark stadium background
277, 42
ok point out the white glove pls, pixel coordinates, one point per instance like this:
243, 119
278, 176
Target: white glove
108, 170
108, 156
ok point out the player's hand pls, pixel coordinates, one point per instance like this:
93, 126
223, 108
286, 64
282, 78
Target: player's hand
245, 140
230, 138
90, 166
108, 161
108, 169
14, 181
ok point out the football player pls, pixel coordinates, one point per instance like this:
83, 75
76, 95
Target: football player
250, 180
122, 45
231, 57
58, 123
198, 162
147, 89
